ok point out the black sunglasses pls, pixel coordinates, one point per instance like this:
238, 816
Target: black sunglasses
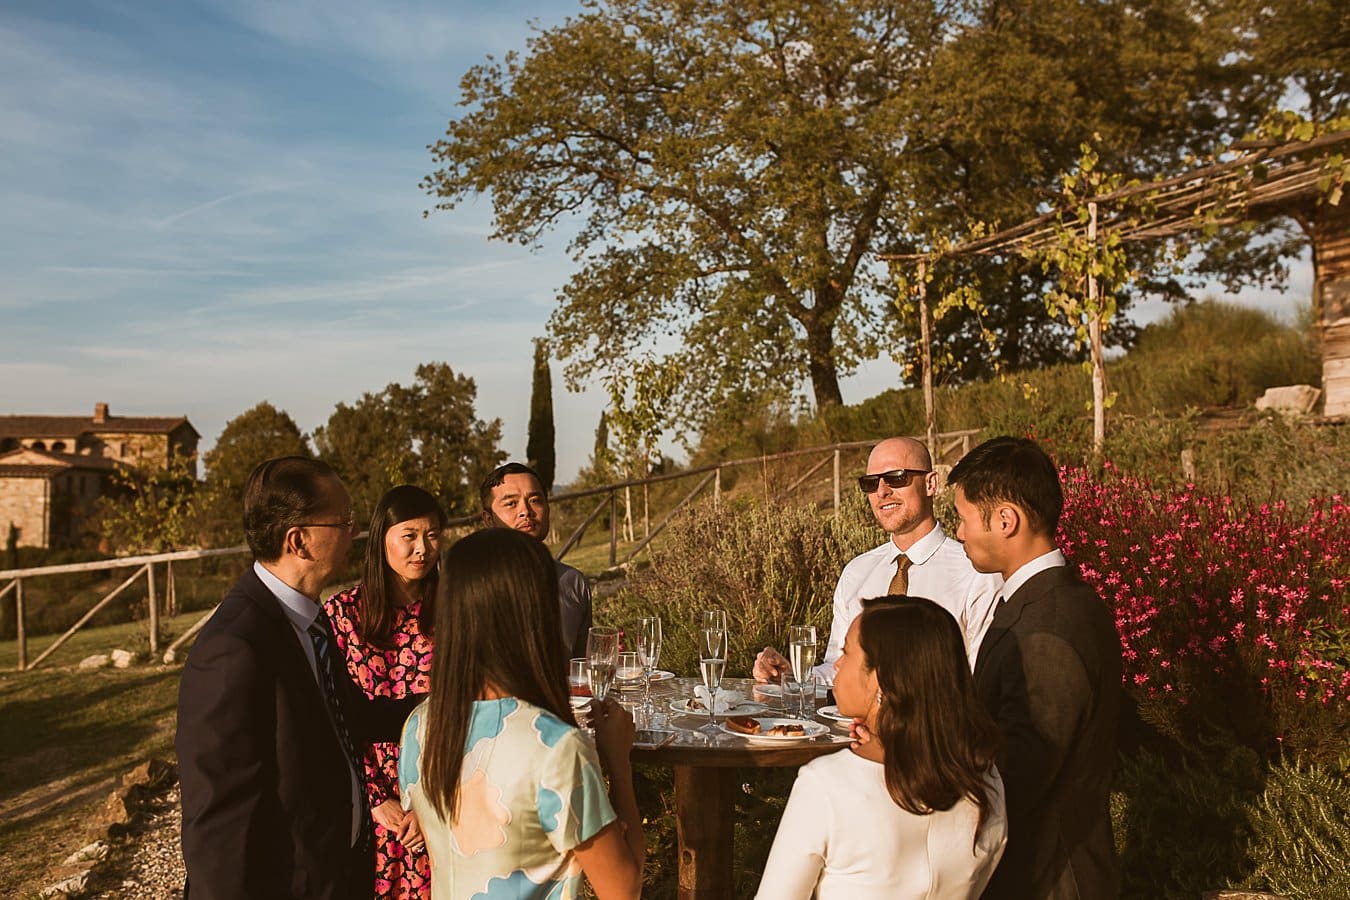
895, 479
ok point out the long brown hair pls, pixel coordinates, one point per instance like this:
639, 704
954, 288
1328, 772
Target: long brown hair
938, 738
497, 614
375, 608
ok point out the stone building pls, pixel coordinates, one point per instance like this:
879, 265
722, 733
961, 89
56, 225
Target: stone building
54, 468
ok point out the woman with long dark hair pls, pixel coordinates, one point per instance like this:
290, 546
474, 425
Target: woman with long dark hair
509, 792
384, 628
916, 811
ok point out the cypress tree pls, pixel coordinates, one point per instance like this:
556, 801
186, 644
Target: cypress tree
601, 457
540, 447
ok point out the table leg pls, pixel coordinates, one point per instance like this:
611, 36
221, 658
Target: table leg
704, 812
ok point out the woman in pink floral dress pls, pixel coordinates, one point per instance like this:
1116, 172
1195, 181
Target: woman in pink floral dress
383, 627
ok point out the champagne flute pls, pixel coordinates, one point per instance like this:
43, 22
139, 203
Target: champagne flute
802, 650
802, 657
602, 657
649, 652
712, 662
714, 620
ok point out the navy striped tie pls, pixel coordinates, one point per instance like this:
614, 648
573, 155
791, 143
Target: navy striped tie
318, 634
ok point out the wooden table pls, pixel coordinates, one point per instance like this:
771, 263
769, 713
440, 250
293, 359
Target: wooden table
705, 785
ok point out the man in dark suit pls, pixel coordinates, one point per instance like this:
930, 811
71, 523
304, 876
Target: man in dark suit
1049, 671
269, 726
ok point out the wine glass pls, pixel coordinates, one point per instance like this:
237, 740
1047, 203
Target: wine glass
802, 650
579, 681
602, 657
649, 653
714, 620
711, 663
802, 657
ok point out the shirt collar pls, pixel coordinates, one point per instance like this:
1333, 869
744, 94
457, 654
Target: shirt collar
922, 550
301, 610
1035, 567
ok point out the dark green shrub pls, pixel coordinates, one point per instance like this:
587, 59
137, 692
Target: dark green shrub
1180, 824
1301, 834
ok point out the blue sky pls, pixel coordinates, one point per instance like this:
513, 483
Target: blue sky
208, 204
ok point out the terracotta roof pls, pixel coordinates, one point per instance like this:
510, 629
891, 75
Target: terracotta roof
28, 463
72, 426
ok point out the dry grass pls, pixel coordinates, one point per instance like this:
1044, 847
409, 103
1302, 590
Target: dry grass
67, 739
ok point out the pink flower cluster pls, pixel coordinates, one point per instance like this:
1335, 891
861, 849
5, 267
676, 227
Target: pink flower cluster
1203, 587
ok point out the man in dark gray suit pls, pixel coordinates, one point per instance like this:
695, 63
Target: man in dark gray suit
1049, 671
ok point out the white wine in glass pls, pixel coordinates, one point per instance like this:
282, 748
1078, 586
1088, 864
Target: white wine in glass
802, 650
712, 662
602, 658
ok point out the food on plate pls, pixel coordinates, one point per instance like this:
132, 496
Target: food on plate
743, 724
784, 730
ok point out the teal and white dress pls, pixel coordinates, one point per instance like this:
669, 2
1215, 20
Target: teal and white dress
530, 791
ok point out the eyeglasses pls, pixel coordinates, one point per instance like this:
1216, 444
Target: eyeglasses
895, 479
349, 524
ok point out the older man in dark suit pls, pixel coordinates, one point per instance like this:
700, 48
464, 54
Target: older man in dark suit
1049, 671
269, 727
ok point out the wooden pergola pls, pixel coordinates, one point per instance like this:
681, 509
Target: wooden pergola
1263, 180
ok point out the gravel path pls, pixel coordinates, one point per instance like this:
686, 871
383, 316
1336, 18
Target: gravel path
149, 866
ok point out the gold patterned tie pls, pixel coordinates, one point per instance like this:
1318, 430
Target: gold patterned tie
900, 582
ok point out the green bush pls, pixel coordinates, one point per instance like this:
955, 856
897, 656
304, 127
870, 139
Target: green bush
1180, 821
768, 567
1301, 834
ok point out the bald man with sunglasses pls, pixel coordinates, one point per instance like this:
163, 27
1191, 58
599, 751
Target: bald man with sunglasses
917, 559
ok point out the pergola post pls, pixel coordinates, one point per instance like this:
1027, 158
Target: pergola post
1331, 300
926, 360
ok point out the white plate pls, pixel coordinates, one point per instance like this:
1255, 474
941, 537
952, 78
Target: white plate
776, 690
811, 730
744, 708
832, 713
661, 675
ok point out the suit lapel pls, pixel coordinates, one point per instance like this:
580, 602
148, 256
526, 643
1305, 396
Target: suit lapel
1008, 613
291, 657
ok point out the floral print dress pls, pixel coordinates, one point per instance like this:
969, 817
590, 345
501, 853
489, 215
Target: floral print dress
402, 669
530, 791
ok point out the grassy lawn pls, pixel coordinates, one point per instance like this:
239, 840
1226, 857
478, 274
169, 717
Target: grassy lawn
133, 636
67, 740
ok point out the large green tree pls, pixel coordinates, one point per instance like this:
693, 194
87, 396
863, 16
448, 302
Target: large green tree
736, 167
255, 435
427, 434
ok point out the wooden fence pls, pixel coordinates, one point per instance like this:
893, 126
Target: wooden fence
949, 444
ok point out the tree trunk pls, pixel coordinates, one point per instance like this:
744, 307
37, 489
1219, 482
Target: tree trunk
1095, 348
926, 360
820, 363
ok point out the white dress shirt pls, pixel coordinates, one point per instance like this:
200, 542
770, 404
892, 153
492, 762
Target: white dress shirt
940, 572
1051, 560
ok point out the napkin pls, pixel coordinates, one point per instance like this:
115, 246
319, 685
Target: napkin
725, 699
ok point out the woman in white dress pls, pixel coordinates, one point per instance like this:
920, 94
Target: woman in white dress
915, 809
510, 795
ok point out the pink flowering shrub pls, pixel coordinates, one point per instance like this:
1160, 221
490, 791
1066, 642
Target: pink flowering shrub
1230, 615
